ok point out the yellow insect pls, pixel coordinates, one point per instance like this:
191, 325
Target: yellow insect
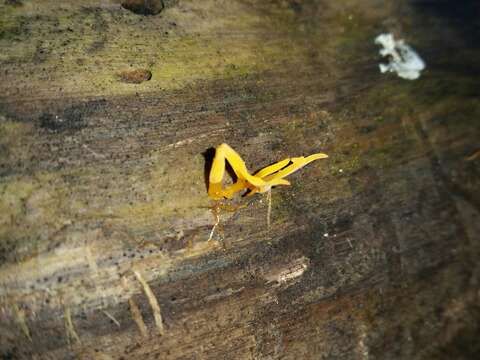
262, 181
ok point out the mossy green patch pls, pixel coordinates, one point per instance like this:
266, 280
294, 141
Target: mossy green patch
36, 209
14, 142
173, 189
82, 49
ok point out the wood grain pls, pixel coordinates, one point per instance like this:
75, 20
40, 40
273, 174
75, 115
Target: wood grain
372, 253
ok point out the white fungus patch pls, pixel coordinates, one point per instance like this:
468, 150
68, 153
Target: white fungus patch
402, 58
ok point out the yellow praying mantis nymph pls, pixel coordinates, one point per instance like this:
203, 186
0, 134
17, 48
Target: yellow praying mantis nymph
262, 181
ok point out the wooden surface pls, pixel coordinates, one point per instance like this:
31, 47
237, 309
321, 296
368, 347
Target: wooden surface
104, 215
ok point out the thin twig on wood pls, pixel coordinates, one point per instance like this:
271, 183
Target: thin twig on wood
157, 315
111, 317
137, 317
71, 333
20, 317
135, 311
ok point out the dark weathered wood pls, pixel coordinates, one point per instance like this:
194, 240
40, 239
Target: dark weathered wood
372, 253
